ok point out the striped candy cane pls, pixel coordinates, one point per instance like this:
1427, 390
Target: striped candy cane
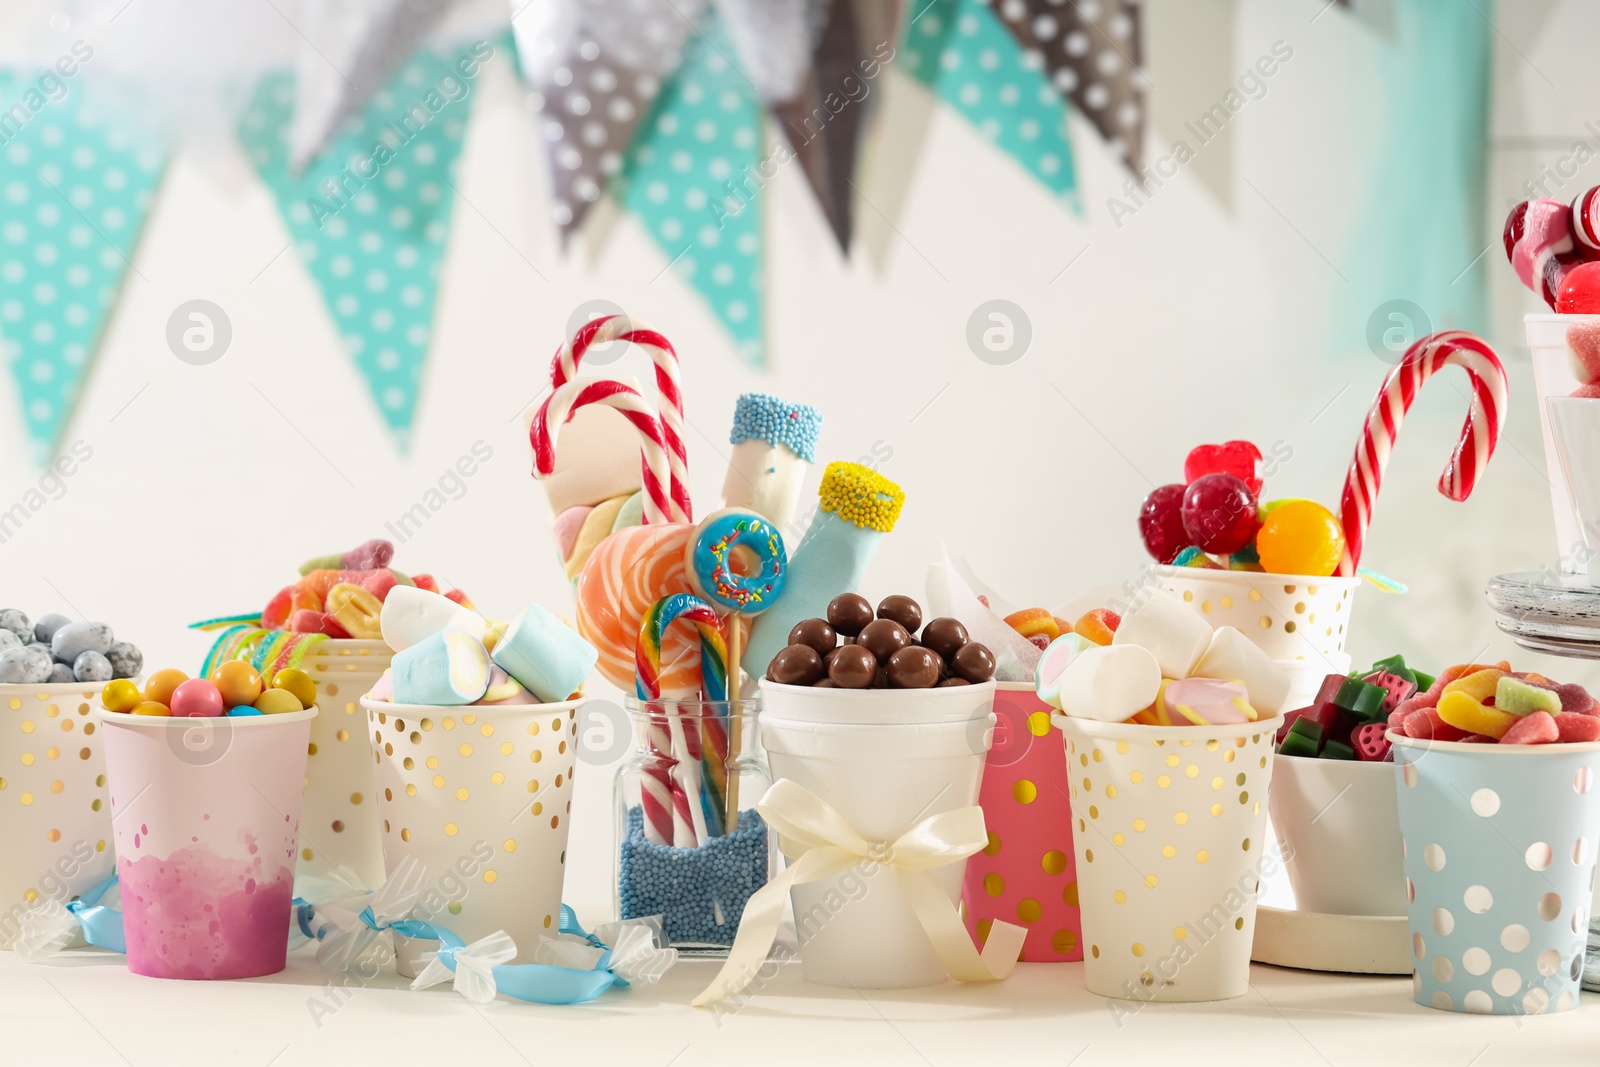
657, 785
1485, 419
557, 411
564, 368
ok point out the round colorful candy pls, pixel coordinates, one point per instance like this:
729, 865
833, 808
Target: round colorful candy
297, 682
197, 699
722, 541
238, 682
120, 695
1580, 291
1219, 513
152, 707
160, 685
277, 702
1161, 522
1301, 537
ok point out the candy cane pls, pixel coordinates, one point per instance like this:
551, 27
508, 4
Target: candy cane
568, 398
564, 368
1479, 435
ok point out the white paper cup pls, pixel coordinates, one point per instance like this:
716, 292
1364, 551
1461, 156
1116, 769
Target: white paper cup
1553, 378
481, 796
1170, 837
1338, 827
339, 826
55, 823
1290, 617
885, 759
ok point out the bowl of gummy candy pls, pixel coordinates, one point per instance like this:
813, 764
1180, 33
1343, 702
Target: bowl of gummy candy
1265, 567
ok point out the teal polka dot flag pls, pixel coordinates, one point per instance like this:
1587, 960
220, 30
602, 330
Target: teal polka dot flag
961, 50
75, 186
693, 175
369, 217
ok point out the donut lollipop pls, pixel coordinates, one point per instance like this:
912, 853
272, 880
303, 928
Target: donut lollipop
720, 539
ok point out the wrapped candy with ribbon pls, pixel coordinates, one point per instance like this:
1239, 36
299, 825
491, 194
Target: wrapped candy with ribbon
52, 928
821, 844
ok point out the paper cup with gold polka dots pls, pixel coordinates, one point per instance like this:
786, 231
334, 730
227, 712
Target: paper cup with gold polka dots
1170, 831
55, 824
339, 827
1499, 844
481, 796
1290, 617
1027, 875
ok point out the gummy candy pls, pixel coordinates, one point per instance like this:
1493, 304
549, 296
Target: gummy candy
1098, 625
1537, 728
1465, 713
1242, 459
1520, 698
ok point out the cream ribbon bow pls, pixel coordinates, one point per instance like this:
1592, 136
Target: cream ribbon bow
821, 844
473, 977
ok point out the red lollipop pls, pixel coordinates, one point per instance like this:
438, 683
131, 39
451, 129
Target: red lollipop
1238, 458
1219, 513
1161, 523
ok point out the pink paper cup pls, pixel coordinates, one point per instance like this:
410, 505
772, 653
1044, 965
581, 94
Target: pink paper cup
205, 815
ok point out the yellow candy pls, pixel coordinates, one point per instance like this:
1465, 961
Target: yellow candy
1479, 685
355, 609
159, 686
153, 707
1464, 713
120, 695
238, 682
298, 683
493, 633
277, 702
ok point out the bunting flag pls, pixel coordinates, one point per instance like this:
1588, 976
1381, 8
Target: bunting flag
594, 69
696, 177
1416, 249
1090, 50
816, 64
370, 215
348, 50
961, 50
75, 186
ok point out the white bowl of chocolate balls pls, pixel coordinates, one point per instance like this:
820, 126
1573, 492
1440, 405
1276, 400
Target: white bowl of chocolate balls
866, 665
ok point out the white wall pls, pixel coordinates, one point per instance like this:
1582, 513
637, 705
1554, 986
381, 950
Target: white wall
1201, 318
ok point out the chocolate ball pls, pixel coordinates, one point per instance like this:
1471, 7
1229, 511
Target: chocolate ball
973, 662
913, 668
882, 679
849, 613
796, 665
824, 683
903, 610
816, 633
952, 681
945, 636
883, 638
852, 667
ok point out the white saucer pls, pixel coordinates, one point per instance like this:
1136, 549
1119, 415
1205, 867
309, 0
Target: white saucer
1350, 944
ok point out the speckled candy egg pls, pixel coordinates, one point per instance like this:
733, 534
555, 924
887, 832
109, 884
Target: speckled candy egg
126, 660
91, 666
17, 622
76, 638
24, 666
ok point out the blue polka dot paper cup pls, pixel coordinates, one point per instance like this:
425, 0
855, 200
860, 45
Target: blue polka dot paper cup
1500, 864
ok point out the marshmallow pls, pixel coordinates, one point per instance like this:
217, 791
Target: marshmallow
410, 614
1110, 683
545, 655
504, 689
383, 688
449, 667
1175, 635
1233, 657
1206, 702
598, 460
596, 528
1061, 654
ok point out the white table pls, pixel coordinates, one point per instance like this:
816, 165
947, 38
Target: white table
85, 1009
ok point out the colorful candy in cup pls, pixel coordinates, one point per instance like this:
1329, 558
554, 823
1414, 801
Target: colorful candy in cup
341, 595
234, 689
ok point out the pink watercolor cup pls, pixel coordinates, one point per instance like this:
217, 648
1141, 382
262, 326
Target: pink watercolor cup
205, 814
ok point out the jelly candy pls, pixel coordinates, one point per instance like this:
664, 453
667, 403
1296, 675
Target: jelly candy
1465, 713
1361, 698
1242, 459
1300, 537
1576, 727
1397, 689
1536, 728
1036, 624
1479, 685
1371, 745
1098, 625
1520, 698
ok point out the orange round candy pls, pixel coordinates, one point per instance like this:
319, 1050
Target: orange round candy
153, 707
1300, 537
159, 686
238, 682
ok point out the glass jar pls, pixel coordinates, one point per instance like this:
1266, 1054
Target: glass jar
691, 847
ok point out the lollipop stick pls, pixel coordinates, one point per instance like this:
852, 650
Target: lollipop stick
735, 722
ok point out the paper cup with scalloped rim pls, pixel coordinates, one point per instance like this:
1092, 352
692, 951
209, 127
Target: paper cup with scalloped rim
1170, 830
206, 817
340, 835
481, 796
55, 825
1290, 617
884, 759
1499, 844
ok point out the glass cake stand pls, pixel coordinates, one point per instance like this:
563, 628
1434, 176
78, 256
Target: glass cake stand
1546, 612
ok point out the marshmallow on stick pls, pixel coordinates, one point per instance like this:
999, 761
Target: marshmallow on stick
858, 507
774, 443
